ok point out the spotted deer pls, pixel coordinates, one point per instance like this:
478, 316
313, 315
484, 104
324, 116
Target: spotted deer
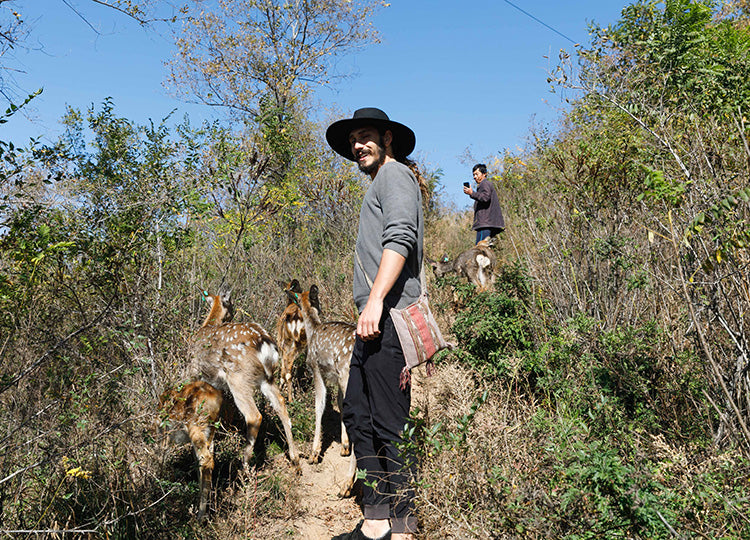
240, 358
329, 351
477, 264
192, 413
290, 336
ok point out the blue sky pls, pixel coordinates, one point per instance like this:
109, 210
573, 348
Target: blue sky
464, 75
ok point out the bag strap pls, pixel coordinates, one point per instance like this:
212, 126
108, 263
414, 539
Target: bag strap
422, 281
361, 267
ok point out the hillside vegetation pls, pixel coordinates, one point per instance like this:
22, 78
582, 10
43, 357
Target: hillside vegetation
601, 390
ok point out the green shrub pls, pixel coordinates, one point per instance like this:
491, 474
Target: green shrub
494, 329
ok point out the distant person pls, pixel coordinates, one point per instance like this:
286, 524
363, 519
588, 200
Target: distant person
488, 218
388, 260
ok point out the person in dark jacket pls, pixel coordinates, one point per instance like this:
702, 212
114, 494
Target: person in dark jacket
488, 218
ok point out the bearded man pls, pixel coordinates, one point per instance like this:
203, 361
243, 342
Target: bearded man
388, 259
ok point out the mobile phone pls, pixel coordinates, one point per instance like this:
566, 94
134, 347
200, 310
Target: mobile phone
466, 184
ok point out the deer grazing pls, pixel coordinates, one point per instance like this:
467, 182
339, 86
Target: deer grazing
477, 264
329, 351
290, 336
239, 358
193, 411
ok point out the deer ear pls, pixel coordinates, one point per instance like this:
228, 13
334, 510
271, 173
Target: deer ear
226, 303
314, 298
295, 286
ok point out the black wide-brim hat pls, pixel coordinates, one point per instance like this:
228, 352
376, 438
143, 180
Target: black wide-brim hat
337, 133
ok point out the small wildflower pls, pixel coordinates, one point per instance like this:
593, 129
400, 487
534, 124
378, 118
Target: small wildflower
77, 472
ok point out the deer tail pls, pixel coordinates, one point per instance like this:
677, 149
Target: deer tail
268, 354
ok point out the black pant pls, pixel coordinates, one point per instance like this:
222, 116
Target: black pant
375, 413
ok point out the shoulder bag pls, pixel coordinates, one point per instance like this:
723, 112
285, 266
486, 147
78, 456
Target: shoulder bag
418, 332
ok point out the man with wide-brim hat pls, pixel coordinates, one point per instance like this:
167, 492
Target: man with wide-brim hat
388, 259
337, 134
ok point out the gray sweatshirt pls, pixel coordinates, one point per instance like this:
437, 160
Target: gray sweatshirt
391, 217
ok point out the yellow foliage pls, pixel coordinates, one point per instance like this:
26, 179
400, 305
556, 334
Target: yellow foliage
74, 472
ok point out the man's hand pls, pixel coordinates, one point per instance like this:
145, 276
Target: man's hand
468, 190
368, 324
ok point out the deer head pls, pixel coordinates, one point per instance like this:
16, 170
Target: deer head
222, 309
290, 286
488, 242
441, 267
307, 301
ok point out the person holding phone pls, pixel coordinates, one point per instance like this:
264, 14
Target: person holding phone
488, 217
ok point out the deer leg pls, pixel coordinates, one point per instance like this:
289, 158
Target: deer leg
320, 405
243, 398
253, 419
202, 438
351, 473
288, 382
345, 445
273, 395
287, 363
482, 280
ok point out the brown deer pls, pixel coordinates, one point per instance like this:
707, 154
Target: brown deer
290, 336
329, 351
240, 358
193, 411
477, 264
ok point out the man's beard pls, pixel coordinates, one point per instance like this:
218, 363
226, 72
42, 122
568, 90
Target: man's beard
375, 165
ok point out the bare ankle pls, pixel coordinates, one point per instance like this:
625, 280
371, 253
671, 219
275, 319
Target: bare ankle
375, 528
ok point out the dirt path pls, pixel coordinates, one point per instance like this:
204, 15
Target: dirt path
324, 513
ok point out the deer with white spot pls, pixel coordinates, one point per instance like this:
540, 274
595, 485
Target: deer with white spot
193, 411
477, 264
190, 412
240, 358
290, 336
329, 351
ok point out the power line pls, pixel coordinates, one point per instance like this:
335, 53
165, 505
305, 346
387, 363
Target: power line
540, 21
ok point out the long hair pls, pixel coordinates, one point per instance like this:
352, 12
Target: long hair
424, 187
415, 168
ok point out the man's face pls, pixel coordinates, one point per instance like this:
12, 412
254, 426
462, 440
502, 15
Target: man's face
479, 176
368, 149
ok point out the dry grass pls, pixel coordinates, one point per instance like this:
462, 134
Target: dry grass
451, 498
